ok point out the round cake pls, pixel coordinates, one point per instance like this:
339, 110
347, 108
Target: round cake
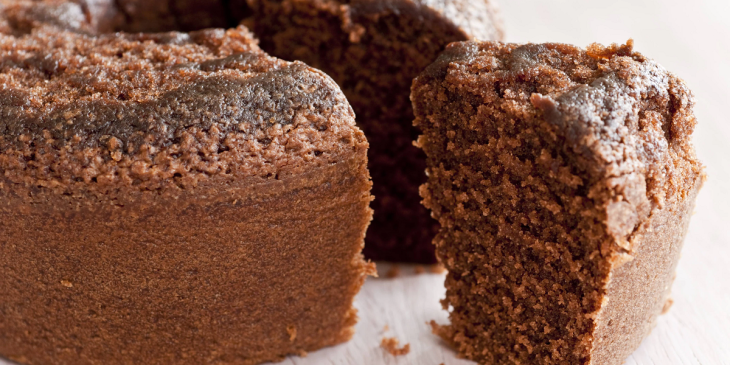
373, 49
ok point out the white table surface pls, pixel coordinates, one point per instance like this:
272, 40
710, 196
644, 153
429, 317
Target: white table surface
691, 39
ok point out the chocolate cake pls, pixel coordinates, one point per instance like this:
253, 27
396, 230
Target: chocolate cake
171, 198
563, 180
373, 49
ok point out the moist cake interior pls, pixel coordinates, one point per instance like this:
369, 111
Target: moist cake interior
537, 205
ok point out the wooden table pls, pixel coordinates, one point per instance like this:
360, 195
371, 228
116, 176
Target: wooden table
691, 39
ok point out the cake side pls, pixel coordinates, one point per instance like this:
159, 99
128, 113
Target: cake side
373, 50
649, 210
542, 168
639, 291
640, 283
227, 272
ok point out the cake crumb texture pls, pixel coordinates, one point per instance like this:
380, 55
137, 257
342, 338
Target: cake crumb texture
563, 180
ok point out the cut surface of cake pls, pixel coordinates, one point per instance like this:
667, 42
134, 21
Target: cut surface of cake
373, 49
563, 180
172, 198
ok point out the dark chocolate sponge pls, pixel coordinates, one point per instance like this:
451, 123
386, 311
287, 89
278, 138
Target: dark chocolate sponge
564, 180
373, 49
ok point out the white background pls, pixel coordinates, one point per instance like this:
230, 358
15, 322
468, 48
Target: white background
691, 39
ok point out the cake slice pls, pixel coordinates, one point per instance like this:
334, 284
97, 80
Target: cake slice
172, 198
373, 49
563, 180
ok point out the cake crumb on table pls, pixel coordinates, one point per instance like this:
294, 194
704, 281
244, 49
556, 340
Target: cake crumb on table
292, 332
434, 326
438, 330
390, 344
393, 272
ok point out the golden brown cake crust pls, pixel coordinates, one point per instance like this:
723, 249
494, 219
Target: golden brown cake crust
172, 198
219, 274
563, 180
373, 49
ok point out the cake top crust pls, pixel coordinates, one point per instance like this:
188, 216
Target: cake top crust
78, 107
21, 16
626, 120
585, 91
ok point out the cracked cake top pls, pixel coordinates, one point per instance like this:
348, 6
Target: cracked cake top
149, 109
